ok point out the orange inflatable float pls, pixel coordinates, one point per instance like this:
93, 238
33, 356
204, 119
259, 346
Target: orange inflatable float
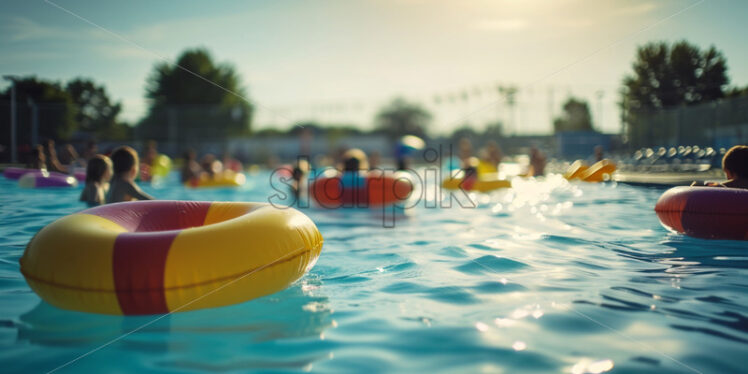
705, 212
361, 189
598, 172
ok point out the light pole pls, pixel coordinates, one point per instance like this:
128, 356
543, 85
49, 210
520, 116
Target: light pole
13, 124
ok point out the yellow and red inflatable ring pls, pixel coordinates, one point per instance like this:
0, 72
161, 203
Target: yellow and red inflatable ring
151, 257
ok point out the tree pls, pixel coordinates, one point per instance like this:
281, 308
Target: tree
55, 111
402, 118
464, 131
494, 131
96, 113
576, 117
737, 91
195, 98
665, 77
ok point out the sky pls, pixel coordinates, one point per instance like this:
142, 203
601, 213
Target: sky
340, 61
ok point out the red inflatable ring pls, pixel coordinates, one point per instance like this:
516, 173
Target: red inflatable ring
705, 212
361, 190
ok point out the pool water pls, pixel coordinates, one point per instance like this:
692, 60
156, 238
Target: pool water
546, 277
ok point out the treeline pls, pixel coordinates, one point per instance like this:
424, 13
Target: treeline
58, 110
196, 98
669, 76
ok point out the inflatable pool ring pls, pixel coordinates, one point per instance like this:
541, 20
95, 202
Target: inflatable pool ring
40, 178
484, 183
361, 190
598, 172
226, 178
576, 168
17, 173
154, 257
705, 212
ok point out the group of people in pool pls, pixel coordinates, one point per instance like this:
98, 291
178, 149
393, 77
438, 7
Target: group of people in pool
209, 165
112, 179
44, 157
109, 179
489, 159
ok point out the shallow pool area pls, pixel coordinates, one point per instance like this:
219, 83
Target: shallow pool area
545, 277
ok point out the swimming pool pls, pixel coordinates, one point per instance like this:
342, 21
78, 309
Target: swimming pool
545, 277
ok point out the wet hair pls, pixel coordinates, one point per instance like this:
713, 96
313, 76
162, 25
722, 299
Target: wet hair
355, 159
736, 161
351, 164
97, 167
124, 159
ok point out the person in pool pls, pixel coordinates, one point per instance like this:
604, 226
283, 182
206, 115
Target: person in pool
191, 169
37, 160
123, 188
98, 174
355, 160
537, 162
299, 176
735, 166
53, 163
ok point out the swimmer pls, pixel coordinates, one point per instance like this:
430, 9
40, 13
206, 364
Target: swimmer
69, 157
465, 152
190, 169
299, 173
53, 164
537, 162
355, 160
210, 165
123, 188
98, 174
37, 160
230, 163
735, 166
599, 153
490, 157
151, 152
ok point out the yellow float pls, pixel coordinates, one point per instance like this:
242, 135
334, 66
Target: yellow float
226, 178
484, 168
154, 257
485, 183
598, 172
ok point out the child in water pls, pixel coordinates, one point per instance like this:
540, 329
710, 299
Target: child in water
98, 173
735, 166
123, 188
